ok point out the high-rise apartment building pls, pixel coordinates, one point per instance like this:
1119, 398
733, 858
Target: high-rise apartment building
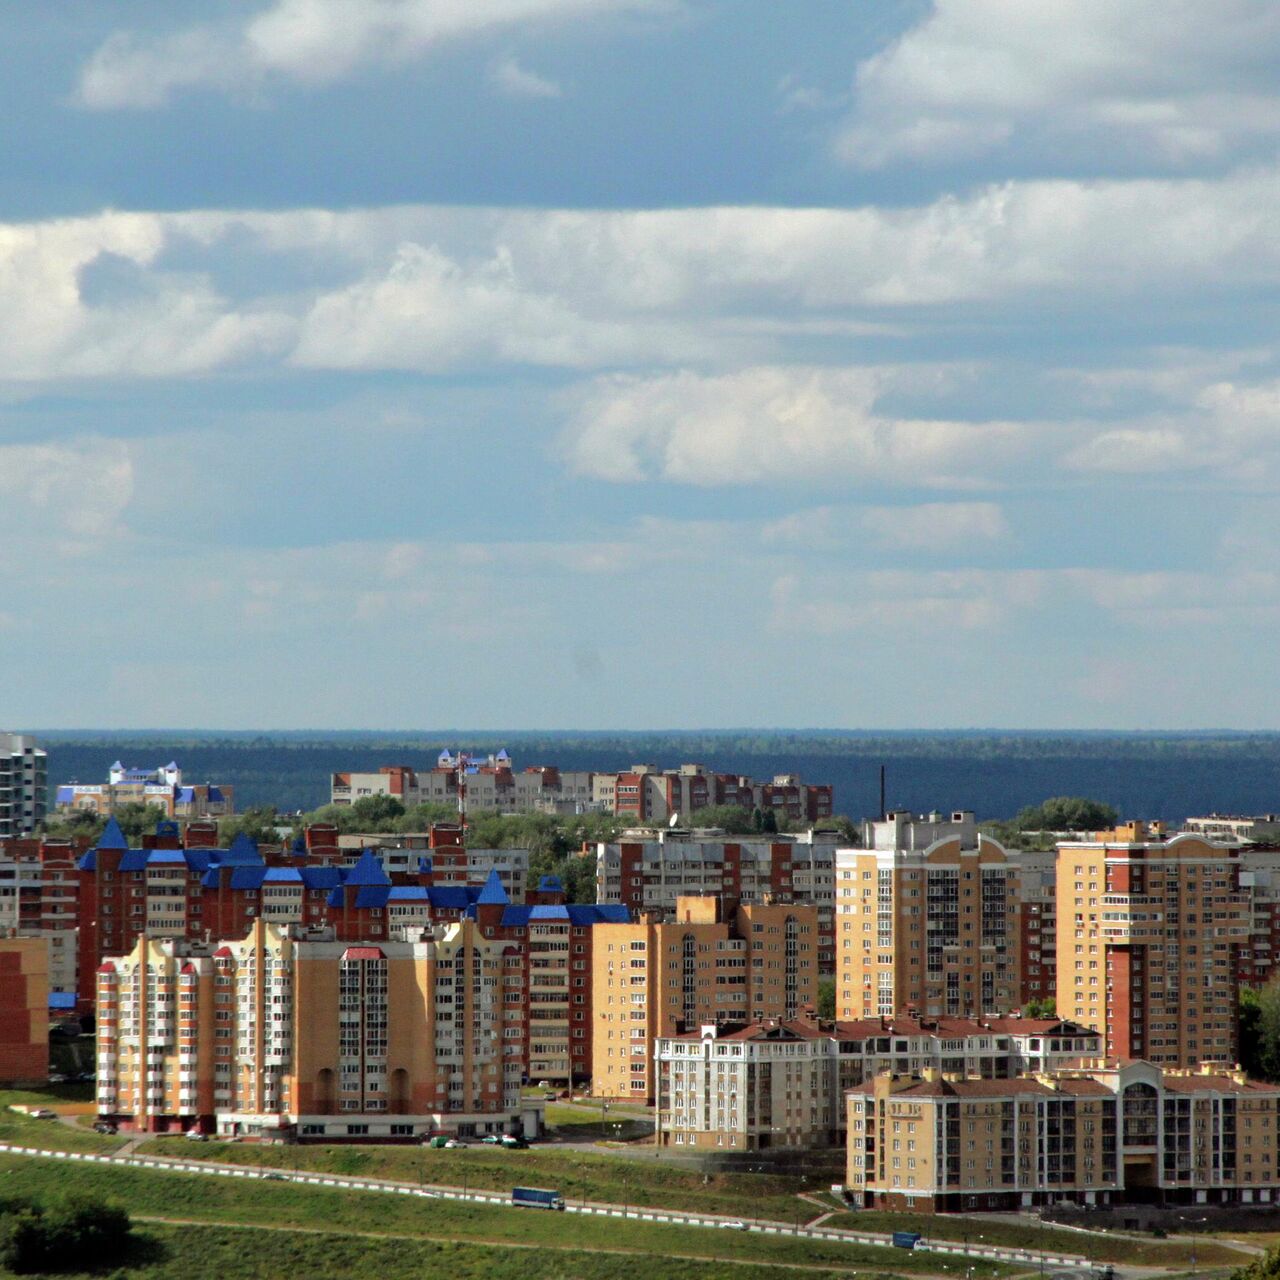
928, 919
717, 960
1148, 935
24, 784
647, 870
288, 1031
39, 895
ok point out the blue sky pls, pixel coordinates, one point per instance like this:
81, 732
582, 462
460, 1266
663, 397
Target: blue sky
640, 363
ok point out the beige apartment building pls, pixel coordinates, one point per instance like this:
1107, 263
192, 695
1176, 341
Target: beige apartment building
782, 1084
928, 919
718, 960
1149, 932
288, 1032
1099, 1133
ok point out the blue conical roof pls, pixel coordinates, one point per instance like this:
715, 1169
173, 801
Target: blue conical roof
493, 894
112, 837
243, 852
368, 871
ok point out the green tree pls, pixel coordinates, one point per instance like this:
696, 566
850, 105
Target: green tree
1044, 1008
1266, 1267
377, 813
261, 824
137, 820
730, 818
826, 997
1066, 813
1259, 1013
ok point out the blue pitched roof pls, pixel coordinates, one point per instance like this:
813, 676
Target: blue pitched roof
321, 877
549, 913
372, 895
582, 913
550, 884
454, 897
247, 877
283, 874
112, 836
62, 999
493, 894
215, 793
243, 852
368, 871
162, 856
410, 893
516, 916
134, 860
65, 795
186, 795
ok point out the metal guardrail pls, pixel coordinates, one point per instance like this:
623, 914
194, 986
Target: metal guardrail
169, 1164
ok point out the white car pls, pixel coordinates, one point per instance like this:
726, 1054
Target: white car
735, 1224
194, 1135
43, 1113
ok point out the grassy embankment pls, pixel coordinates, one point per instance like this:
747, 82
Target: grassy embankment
51, 1134
639, 1180
1100, 1247
217, 1201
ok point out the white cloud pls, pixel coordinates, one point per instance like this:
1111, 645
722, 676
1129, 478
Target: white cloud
308, 42
1171, 81
72, 494
515, 81
936, 526
775, 424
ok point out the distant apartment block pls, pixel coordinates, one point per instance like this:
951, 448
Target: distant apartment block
1261, 829
162, 787
39, 895
644, 792
1149, 932
782, 1084
442, 853
716, 960
649, 870
24, 1012
24, 784
289, 1032
1094, 1134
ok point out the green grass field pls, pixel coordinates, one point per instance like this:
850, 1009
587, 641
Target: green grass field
578, 1175
172, 1252
217, 1201
1101, 1248
23, 1130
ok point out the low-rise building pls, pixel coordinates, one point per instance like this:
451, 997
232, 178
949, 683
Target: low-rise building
1096, 1133
162, 787
289, 1032
781, 1084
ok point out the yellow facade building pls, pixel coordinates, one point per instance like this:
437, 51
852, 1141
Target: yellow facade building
1148, 937
928, 920
1098, 1133
288, 1032
718, 960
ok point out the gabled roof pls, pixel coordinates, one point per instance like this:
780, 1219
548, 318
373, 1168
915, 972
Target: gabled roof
493, 894
549, 912
243, 852
372, 895
550, 884
320, 877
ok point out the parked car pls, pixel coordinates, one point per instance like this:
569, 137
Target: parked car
490, 1140
514, 1141
452, 1144
105, 1126
735, 1224
275, 1177
43, 1113
56, 1077
194, 1135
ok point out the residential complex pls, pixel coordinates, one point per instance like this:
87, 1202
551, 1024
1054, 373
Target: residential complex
929, 918
781, 1084
39, 896
1148, 935
24, 785
648, 870
1092, 1134
289, 1032
162, 787
645, 792
717, 960
24, 1012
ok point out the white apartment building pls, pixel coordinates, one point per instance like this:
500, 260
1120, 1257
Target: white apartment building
781, 1084
24, 784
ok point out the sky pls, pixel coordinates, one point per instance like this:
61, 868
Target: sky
640, 363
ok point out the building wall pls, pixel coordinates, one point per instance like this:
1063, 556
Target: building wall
24, 1011
717, 961
24, 785
1148, 936
935, 929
